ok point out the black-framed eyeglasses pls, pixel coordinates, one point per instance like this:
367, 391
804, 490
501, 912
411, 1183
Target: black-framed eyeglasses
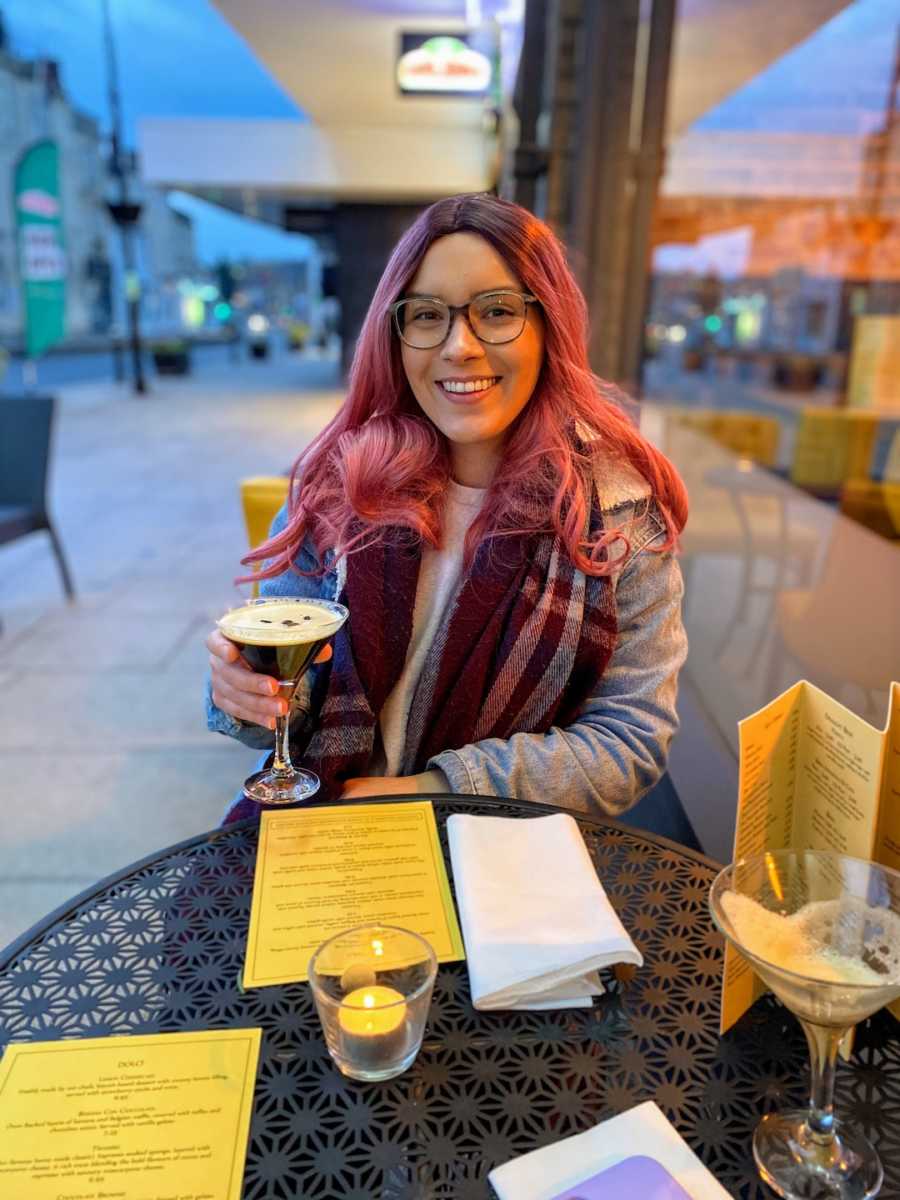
424, 322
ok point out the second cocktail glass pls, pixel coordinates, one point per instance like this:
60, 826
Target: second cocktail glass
280, 637
822, 930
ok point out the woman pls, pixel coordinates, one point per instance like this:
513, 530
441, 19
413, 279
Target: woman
502, 535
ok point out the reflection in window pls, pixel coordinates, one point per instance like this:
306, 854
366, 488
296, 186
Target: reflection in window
776, 251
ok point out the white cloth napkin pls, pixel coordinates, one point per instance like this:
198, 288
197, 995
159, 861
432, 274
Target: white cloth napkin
546, 1173
536, 922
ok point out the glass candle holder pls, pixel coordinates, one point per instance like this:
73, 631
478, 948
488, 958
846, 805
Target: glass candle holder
372, 986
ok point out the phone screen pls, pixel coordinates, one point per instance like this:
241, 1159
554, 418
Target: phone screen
638, 1176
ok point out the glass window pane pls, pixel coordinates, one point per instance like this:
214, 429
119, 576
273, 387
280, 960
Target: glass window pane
775, 288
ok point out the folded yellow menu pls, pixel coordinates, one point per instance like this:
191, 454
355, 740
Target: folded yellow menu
813, 776
152, 1117
322, 870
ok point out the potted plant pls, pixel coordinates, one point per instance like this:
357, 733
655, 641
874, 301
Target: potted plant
171, 356
797, 372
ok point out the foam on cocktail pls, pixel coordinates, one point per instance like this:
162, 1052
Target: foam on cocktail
285, 623
833, 941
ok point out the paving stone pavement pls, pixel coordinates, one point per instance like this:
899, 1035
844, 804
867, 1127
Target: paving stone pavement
104, 752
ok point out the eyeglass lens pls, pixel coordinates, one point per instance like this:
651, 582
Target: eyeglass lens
495, 318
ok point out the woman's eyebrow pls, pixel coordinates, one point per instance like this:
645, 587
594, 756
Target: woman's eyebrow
503, 287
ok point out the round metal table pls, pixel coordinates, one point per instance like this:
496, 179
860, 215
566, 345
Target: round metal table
160, 946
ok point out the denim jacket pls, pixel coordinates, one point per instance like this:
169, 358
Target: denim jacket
616, 747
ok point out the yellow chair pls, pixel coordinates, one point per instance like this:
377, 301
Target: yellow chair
892, 462
873, 504
745, 434
261, 498
832, 446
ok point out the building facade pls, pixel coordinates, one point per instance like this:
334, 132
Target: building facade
33, 106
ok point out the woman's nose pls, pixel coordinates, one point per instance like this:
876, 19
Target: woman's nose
461, 341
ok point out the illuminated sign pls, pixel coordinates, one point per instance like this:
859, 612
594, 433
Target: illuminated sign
458, 64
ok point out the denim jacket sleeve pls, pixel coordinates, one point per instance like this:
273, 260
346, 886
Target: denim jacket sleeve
616, 748
287, 584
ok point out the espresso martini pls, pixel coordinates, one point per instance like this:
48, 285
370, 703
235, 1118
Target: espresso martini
280, 637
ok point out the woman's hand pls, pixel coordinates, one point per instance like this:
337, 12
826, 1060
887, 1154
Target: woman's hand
238, 690
393, 785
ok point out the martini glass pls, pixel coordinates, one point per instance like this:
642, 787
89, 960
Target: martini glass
822, 930
280, 636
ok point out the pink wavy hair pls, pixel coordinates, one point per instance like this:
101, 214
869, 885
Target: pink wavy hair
380, 466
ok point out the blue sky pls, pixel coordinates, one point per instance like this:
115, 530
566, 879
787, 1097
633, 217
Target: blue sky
177, 58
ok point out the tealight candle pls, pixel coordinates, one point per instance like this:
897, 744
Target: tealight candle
373, 1026
372, 987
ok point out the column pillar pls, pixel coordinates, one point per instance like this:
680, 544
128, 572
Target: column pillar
590, 160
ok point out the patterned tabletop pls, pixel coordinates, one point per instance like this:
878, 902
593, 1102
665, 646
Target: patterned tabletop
159, 947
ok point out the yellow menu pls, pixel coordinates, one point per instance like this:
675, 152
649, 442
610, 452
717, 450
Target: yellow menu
148, 1118
813, 776
321, 870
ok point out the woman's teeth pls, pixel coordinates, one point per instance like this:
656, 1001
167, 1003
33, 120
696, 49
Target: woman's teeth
471, 385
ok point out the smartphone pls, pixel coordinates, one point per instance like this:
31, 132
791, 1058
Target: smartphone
638, 1176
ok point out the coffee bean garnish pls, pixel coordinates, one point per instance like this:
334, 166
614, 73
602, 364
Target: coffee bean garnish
291, 624
264, 621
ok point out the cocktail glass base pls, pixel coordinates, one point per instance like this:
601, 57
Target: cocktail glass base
269, 787
799, 1167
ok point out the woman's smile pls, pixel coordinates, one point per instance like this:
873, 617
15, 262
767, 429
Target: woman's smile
466, 390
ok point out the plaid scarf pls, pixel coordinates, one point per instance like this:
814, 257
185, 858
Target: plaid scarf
520, 648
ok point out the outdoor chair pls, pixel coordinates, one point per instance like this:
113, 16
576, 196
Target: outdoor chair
875, 501
261, 498
747, 434
832, 446
26, 424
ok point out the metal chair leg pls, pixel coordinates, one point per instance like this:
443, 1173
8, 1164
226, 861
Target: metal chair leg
61, 562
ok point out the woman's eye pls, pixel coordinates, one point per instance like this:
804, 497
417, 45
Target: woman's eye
426, 314
496, 311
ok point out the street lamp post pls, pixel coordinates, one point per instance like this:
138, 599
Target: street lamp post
123, 210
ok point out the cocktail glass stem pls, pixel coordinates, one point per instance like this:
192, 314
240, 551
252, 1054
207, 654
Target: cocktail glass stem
824, 1043
281, 763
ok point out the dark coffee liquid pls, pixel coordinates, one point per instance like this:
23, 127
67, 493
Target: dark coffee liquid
287, 664
280, 638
